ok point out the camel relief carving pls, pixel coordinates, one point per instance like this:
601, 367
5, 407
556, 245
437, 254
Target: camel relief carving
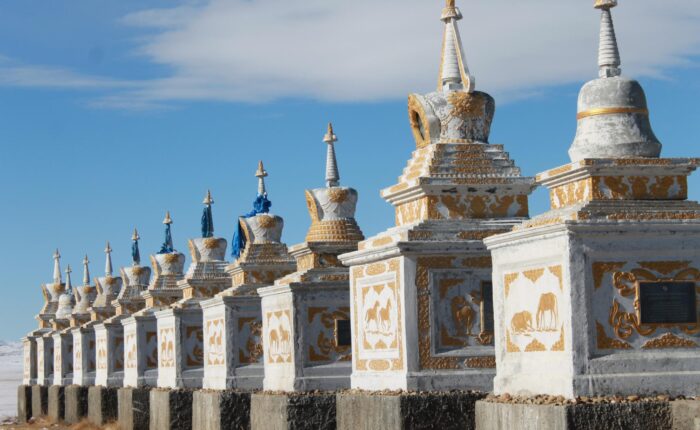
547, 308
378, 320
462, 316
280, 341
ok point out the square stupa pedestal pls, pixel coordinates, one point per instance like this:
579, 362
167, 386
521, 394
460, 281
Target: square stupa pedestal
29, 357
44, 360
140, 350
84, 355
600, 295
180, 348
63, 357
109, 350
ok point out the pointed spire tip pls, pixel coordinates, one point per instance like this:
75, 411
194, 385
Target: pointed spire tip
605, 4
208, 200
167, 219
135, 236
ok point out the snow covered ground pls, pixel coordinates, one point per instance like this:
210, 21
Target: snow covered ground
10, 377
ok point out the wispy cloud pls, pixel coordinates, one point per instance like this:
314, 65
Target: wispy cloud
256, 51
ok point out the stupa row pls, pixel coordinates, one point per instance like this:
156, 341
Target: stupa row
598, 296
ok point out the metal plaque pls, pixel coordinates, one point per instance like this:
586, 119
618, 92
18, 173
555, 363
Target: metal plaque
667, 302
342, 333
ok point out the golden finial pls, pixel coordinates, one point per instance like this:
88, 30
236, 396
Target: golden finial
208, 200
85, 260
450, 3
330, 137
135, 236
260, 173
108, 249
56, 255
605, 4
167, 219
68, 270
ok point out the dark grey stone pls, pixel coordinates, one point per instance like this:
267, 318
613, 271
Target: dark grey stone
24, 403
40, 400
170, 409
292, 411
76, 403
409, 410
134, 408
219, 410
608, 416
57, 402
102, 405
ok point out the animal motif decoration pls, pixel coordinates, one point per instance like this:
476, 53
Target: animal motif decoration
547, 314
462, 316
378, 319
521, 323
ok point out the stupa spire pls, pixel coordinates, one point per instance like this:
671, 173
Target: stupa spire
608, 52
332, 175
167, 246
108, 260
86, 271
207, 218
454, 73
56, 267
69, 285
135, 254
261, 174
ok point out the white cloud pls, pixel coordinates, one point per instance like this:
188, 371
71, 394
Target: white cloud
260, 50
369, 49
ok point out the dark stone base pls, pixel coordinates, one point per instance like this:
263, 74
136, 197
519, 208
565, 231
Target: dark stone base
134, 408
24, 403
405, 410
292, 411
219, 410
652, 415
170, 409
102, 405
57, 402
76, 403
40, 400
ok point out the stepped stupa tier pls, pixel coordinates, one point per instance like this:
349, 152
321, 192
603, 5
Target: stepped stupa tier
182, 322
598, 296
421, 291
109, 334
140, 329
306, 314
233, 355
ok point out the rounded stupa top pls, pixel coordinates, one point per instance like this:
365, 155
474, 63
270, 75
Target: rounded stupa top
455, 112
613, 118
65, 300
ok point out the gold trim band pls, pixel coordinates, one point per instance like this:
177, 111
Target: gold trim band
613, 110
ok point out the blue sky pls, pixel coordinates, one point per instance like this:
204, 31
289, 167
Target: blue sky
114, 111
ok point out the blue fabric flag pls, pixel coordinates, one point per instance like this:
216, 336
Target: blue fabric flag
135, 255
167, 246
207, 222
261, 205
